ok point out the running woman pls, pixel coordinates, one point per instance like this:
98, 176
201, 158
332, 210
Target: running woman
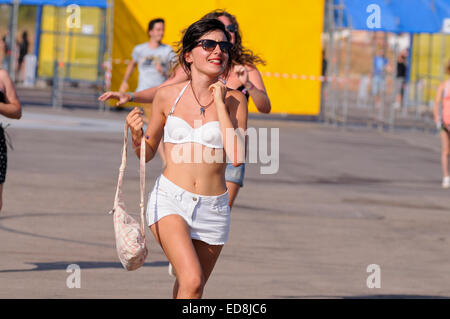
244, 76
9, 107
443, 123
188, 210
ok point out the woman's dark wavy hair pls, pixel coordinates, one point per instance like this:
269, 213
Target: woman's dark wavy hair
241, 55
192, 34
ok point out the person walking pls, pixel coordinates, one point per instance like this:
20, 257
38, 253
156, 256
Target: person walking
442, 120
380, 68
400, 79
6, 51
153, 59
9, 107
23, 51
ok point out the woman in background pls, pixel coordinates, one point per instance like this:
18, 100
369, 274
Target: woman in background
443, 124
9, 107
23, 51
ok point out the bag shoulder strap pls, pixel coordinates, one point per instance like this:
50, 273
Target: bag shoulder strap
141, 176
142, 183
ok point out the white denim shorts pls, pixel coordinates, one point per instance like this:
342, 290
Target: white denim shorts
208, 217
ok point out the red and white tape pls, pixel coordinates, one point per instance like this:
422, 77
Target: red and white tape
303, 77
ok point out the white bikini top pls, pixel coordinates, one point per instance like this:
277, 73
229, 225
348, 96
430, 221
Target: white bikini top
177, 130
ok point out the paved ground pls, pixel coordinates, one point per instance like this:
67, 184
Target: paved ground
343, 199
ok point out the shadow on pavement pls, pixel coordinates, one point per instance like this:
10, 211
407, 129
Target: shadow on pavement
62, 265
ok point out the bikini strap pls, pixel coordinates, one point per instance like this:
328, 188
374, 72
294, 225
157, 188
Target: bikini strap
178, 98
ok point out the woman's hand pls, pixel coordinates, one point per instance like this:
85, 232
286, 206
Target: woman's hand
135, 121
219, 91
242, 74
122, 97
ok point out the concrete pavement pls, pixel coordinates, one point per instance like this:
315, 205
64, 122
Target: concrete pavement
343, 199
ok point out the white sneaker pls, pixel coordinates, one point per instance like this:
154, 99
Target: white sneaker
172, 272
446, 182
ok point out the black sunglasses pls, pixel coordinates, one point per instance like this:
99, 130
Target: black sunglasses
231, 28
210, 45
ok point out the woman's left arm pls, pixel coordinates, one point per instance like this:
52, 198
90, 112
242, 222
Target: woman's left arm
12, 107
232, 112
254, 85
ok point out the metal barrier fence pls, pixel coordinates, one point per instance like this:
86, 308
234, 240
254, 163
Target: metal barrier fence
349, 91
68, 57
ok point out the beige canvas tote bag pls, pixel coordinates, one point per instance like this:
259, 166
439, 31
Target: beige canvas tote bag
130, 235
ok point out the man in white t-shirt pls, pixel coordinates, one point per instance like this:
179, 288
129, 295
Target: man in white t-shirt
152, 58
154, 61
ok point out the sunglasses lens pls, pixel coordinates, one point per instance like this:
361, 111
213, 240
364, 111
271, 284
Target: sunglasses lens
225, 46
209, 45
231, 28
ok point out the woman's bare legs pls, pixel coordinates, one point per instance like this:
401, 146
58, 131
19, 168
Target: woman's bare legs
233, 190
445, 152
173, 234
207, 255
1, 197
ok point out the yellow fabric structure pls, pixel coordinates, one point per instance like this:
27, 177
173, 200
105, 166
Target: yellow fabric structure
286, 34
428, 66
79, 46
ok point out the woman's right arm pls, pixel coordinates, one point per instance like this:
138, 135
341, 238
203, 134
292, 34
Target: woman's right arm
437, 103
155, 127
148, 95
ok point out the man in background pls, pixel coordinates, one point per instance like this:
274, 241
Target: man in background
153, 59
400, 79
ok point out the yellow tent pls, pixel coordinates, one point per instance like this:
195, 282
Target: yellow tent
287, 35
429, 58
77, 49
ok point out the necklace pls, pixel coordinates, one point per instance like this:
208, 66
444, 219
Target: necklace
202, 107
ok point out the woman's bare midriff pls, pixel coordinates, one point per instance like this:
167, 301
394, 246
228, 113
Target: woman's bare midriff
197, 177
